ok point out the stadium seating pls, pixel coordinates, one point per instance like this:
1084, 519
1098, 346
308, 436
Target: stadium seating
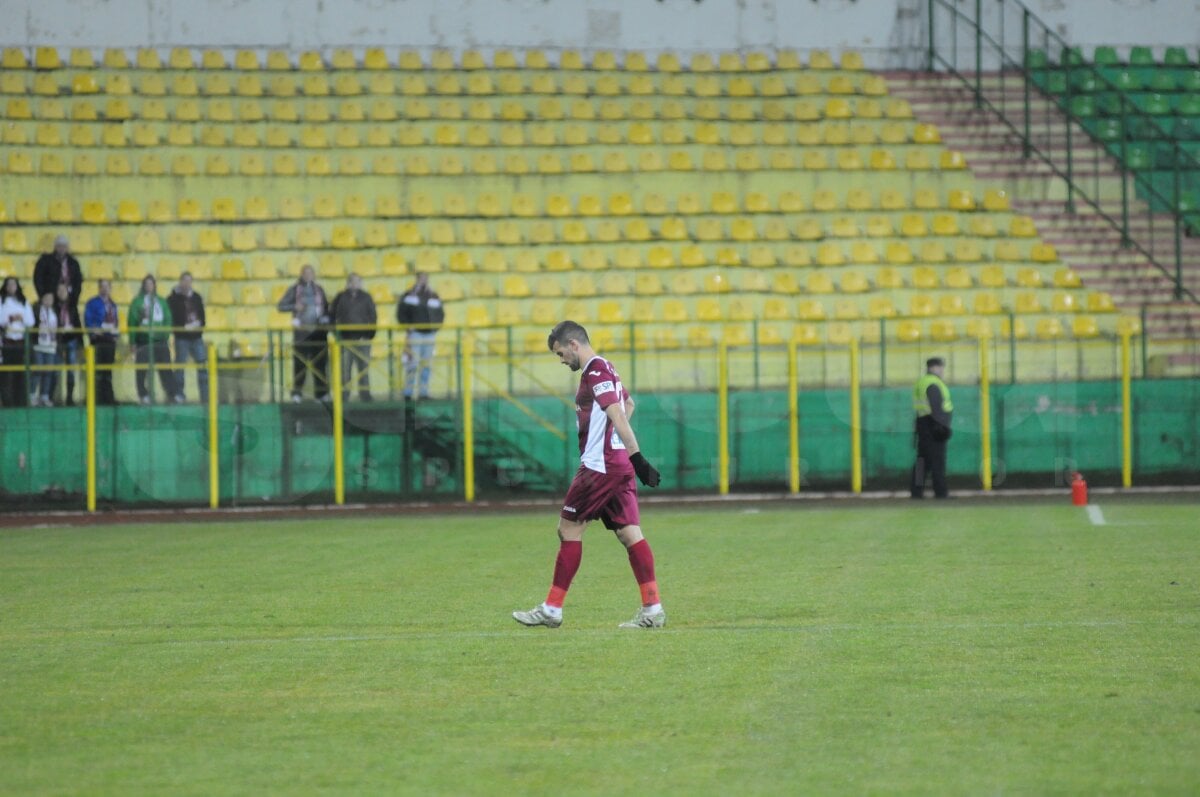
1145, 110
720, 191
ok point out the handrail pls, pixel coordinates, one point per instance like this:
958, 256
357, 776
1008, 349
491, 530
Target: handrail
1180, 158
528, 411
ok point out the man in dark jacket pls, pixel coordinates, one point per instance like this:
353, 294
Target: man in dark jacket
101, 321
187, 314
421, 311
59, 267
355, 307
934, 411
309, 307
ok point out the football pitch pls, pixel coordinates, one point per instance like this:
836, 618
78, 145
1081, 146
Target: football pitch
968, 647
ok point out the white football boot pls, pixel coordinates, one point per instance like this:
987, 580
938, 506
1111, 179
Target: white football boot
537, 616
646, 619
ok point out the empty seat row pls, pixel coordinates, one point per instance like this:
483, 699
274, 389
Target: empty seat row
387, 110
319, 164
342, 135
478, 84
376, 58
490, 205
842, 235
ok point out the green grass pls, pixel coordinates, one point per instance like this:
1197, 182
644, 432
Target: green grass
917, 649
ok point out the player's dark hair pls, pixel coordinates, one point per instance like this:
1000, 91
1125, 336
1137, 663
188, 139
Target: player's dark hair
564, 331
934, 362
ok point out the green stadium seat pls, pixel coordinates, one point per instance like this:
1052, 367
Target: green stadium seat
1141, 56
1105, 56
1175, 56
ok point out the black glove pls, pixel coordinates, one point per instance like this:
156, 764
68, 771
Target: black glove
646, 473
941, 433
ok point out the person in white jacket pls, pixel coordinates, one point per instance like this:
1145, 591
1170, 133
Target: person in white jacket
45, 352
16, 316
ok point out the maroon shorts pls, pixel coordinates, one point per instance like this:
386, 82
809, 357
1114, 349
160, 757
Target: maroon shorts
608, 497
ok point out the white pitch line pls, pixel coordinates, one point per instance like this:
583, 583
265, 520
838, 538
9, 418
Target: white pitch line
1095, 515
818, 628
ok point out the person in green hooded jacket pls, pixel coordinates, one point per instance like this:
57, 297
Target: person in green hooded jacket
935, 412
149, 329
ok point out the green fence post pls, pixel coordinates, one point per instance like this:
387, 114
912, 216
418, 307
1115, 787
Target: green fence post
28, 380
1143, 335
1066, 57
508, 348
882, 352
978, 53
1012, 348
391, 364
931, 44
1126, 241
1178, 218
1026, 148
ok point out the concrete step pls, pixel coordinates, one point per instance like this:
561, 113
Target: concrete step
1086, 241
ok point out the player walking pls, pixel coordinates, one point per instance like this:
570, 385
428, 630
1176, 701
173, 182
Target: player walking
603, 487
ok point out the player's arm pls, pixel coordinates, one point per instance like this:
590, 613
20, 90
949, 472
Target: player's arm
628, 408
644, 470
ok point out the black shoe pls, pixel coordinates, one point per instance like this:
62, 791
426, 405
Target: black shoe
365, 397
70, 401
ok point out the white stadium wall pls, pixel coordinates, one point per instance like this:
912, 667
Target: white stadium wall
889, 33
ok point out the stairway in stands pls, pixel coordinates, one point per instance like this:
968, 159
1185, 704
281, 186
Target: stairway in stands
1084, 240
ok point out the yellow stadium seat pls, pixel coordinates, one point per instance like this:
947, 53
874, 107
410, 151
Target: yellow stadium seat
1084, 326
1026, 303
925, 278
943, 331
46, 58
1029, 277
987, 304
1064, 302
913, 226
1100, 302
907, 331
945, 224
983, 226
952, 159
1045, 253
996, 200
1049, 329
992, 277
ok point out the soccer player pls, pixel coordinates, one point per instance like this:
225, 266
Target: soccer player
603, 488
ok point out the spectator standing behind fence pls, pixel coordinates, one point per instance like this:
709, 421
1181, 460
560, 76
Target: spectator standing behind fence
70, 340
355, 307
421, 308
149, 325
59, 268
16, 316
187, 311
309, 307
100, 319
45, 352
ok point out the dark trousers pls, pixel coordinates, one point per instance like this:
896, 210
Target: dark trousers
106, 354
12, 383
310, 350
931, 459
356, 353
162, 365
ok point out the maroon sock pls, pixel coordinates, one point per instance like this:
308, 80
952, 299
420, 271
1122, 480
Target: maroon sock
570, 552
641, 559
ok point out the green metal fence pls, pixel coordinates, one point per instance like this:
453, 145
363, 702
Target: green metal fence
1010, 60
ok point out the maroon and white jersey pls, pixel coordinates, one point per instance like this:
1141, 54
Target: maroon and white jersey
600, 447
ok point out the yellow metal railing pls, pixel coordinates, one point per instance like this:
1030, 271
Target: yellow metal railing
472, 376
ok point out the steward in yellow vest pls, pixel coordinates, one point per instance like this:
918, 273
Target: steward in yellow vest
934, 415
